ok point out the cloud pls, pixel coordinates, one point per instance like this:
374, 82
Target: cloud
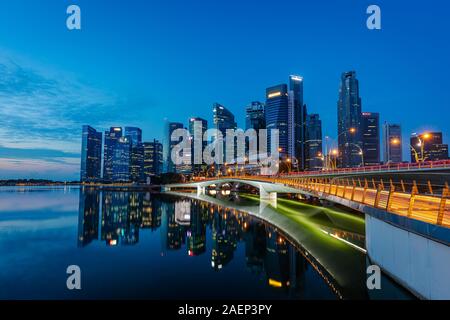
41, 114
41, 111
46, 168
33, 153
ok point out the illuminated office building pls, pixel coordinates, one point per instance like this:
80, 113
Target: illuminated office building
197, 129
223, 119
277, 117
168, 144
297, 122
111, 137
137, 153
254, 116
313, 143
153, 159
349, 121
91, 154
121, 160
371, 138
392, 143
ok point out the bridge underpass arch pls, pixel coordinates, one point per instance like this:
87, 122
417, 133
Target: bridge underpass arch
266, 191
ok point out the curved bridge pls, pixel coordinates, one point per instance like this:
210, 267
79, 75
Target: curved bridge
267, 190
398, 222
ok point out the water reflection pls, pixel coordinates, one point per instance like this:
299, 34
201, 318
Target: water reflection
306, 252
183, 223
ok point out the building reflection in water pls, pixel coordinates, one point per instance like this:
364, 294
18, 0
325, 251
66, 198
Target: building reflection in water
89, 210
183, 224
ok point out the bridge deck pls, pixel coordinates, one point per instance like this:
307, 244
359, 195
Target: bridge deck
431, 209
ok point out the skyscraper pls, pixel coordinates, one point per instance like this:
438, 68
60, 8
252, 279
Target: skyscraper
297, 121
91, 154
137, 153
168, 145
428, 147
313, 143
185, 167
153, 158
277, 117
392, 143
223, 119
197, 129
349, 121
371, 138
254, 119
254, 116
121, 160
111, 137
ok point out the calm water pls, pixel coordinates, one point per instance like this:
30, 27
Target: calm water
140, 245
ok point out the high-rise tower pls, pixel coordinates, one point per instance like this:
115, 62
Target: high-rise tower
349, 121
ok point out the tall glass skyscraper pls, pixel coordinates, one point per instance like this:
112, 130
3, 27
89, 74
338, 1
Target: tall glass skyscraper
254, 116
121, 168
168, 145
371, 138
254, 119
392, 143
137, 153
297, 121
91, 154
349, 121
223, 119
277, 117
153, 159
313, 143
197, 129
111, 137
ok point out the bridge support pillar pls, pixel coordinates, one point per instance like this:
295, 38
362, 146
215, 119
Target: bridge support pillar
268, 196
201, 190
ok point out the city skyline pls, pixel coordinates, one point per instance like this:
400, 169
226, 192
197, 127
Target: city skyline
42, 110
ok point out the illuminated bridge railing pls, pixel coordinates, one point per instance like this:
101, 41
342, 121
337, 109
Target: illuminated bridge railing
442, 164
433, 209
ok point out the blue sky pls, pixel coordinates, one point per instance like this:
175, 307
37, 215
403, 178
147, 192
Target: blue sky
138, 62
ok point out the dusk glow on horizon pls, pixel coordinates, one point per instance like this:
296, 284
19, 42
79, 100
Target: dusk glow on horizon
141, 63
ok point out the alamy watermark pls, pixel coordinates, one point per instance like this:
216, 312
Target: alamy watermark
236, 146
73, 21
374, 20
73, 281
373, 281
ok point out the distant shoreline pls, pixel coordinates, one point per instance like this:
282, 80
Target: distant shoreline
17, 183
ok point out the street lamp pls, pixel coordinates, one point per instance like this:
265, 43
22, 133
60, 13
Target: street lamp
351, 130
288, 160
331, 159
421, 145
361, 152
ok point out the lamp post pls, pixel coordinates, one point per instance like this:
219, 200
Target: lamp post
288, 161
361, 152
330, 159
351, 130
333, 159
421, 145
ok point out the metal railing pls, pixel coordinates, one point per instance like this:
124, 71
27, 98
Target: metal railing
380, 168
433, 209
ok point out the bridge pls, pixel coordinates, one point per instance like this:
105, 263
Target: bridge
407, 223
268, 189
319, 251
